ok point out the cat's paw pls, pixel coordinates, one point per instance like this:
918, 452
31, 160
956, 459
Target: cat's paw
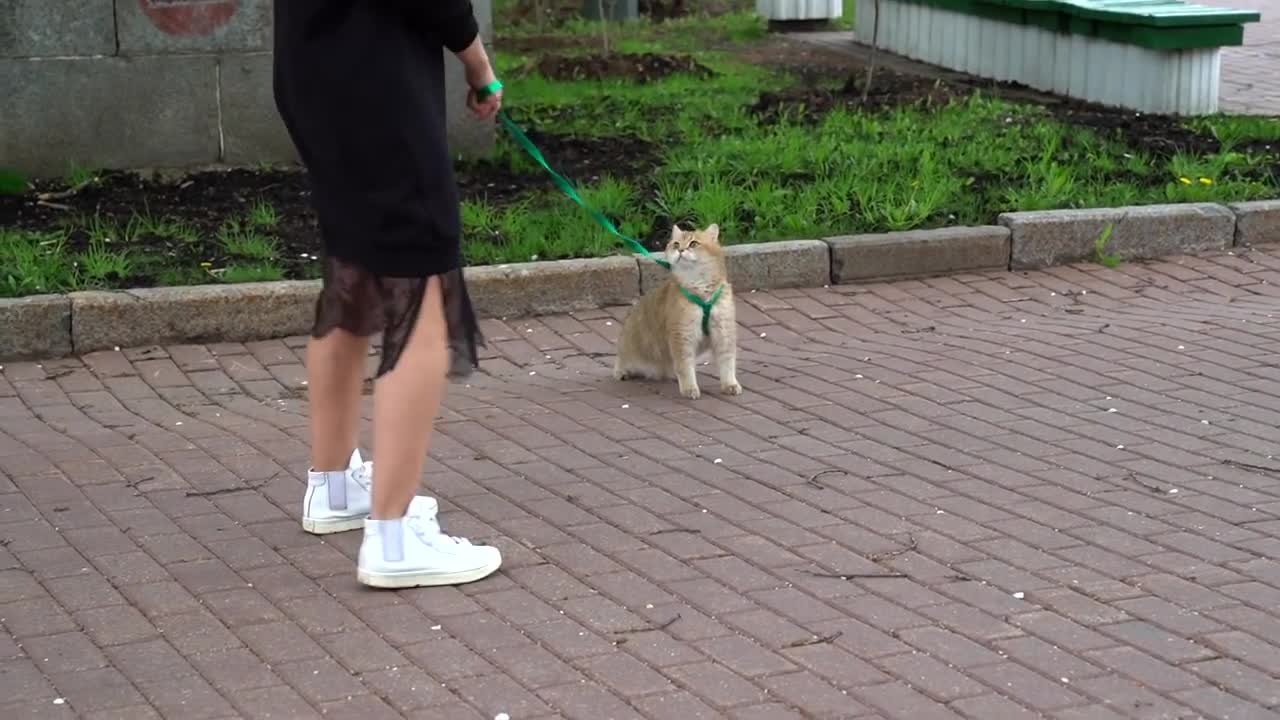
732, 388
692, 392
620, 375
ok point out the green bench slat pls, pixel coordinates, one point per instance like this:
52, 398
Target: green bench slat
1159, 14
1139, 12
1155, 24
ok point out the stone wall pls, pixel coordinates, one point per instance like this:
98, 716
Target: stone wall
154, 84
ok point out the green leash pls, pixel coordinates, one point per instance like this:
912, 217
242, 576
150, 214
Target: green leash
567, 188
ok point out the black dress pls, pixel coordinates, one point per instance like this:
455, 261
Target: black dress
360, 87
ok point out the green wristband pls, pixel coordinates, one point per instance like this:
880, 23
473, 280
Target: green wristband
488, 90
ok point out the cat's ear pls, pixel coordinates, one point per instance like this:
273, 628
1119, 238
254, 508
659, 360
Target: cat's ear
713, 232
676, 233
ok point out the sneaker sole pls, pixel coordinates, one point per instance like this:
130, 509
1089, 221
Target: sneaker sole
328, 527
408, 580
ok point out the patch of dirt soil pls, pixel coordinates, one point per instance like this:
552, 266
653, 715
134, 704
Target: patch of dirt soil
202, 202
641, 67
888, 90
1160, 135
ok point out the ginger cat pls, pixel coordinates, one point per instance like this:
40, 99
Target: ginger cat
664, 336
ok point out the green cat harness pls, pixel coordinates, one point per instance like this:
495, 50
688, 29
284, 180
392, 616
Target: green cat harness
706, 306
567, 188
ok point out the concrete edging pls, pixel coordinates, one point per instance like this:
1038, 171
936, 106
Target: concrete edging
49, 326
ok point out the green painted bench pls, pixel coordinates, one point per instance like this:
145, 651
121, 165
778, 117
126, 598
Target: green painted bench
1149, 55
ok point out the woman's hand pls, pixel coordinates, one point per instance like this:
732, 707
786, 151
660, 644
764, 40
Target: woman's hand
480, 75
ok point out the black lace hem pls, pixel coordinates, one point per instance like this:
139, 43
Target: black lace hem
365, 304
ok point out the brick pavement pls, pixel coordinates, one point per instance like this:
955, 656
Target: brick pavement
1249, 80
987, 496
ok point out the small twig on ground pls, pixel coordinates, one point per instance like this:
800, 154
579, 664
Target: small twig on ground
816, 640
813, 479
1133, 476
911, 545
224, 491
649, 628
64, 194
1271, 518
53, 205
1251, 466
666, 531
851, 576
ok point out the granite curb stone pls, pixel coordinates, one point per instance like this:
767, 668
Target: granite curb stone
202, 313
554, 286
1044, 238
58, 325
1257, 223
917, 253
35, 327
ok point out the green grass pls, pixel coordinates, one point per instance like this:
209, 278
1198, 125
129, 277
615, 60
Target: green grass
1100, 248
97, 252
243, 240
79, 176
961, 163
35, 263
1234, 130
260, 271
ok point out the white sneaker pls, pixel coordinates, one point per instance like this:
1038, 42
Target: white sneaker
338, 501
413, 552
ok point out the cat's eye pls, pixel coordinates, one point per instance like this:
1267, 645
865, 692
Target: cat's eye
693, 243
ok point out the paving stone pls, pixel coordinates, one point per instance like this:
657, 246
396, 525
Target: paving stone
1031, 591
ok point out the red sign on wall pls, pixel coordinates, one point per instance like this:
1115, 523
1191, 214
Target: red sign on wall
189, 17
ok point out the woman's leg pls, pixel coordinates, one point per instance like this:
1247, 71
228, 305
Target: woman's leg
335, 373
337, 496
405, 403
403, 544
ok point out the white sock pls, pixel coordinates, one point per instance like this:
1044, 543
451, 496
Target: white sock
391, 532
336, 482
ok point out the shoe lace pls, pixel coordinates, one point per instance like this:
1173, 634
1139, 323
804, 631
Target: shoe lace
363, 475
428, 531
